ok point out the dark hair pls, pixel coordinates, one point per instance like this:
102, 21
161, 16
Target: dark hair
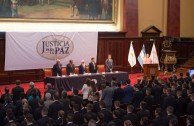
18, 82
173, 122
145, 120
128, 81
181, 74
75, 91
70, 118
84, 103
158, 111
45, 110
102, 104
56, 95
170, 109
64, 94
116, 113
100, 115
89, 106
130, 108
143, 104
6, 90
93, 86
88, 81
76, 107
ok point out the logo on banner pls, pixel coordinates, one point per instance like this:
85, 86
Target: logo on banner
55, 47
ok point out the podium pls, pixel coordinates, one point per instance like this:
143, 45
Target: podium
150, 70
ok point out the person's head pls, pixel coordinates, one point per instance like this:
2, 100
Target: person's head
93, 85
48, 96
31, 84
92, 122
102, 105
179, 93
69, 118
41, 102
109, 56
61, 114
100, 116
128, 123
49, 86
148, 91
181, 74
168, 91
143, 105
75, 91
63, 94
96, 97
88, 81
92, 59
6, 89
190, 119
89, 107
169, 110
82, 62
116, 104
144, 121
164, 89
10, 114
189, 91
58, 61
18, 82
192, 97
147, 55
87, 117
114, 78
56, 96
188, 74
184, 86
76, 107
71, 61
130, 108
128, 81
83, 104
29, 118
111, 123
44, 111
119, 85
173, 122
158, 112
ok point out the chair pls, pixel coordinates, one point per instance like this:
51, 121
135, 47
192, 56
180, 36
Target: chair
47, 73
64, 71
101, 68
76, 70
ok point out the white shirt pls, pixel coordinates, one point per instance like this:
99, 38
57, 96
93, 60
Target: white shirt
85, 90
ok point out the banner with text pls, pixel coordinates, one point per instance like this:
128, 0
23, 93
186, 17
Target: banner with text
37, 50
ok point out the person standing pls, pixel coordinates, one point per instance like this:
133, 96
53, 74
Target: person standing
16, 91
82, 67
92, 66
70, 67
109, 63
57, 68
147, 59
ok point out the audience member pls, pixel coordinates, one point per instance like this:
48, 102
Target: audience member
16, 91
128, 92
86, 89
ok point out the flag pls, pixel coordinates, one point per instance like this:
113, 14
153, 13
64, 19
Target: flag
154, 56
131, 56
141, 56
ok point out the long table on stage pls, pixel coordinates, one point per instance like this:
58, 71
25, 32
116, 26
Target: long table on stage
77, 81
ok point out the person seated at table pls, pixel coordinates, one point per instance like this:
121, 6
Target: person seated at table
147, 59
82, 67
70, 68
109, 64
92, 66
57, 68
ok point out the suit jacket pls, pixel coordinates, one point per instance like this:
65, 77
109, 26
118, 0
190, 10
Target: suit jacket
93, 67
159, 121
54, 108
137, 97
82, 69
109, 65
143, 113
190, 108
77, 100
78, 118
57, 69
44, 120
132, 117
169, 101
70, 68
128, 94
107, 96
118, 94
122, 112
107, 115
156, 92
96, 107
16, 92
180, 107
149, 100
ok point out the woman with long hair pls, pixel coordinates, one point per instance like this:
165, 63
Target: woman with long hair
92, 91
85, 89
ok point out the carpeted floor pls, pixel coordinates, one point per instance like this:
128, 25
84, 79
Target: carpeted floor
40, 85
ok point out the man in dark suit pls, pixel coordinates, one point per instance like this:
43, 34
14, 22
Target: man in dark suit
76, 99
106, 112
128, 92
130, 115
92, 66
118, 93
45, 119
159, 119
78, 116
70, 68
156, 92
149, 99
82, 67
107, 96
57, 68
170, 115
190, 107
117, 107
180, 105
169, 100
55, 107
70, 120
143, 112
137, 97
16, 91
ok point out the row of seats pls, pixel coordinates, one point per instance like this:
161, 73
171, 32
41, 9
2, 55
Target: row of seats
48, 71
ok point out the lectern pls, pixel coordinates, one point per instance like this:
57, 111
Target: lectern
150, 70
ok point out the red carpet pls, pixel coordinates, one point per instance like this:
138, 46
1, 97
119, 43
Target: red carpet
40, 85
